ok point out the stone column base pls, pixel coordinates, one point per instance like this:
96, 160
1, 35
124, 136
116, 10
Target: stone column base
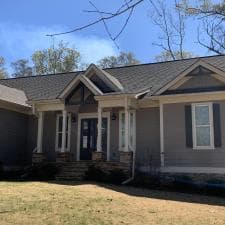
126, 157
63, 157
98, 156
38, 157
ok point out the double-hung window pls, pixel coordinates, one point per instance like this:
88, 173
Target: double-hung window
202, 123
59, 128
131, 131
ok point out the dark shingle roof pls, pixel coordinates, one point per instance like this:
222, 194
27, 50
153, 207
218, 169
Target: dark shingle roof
41, 87
133, 78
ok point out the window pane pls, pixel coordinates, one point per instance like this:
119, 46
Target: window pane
59, 140
67, 125
202, 115
203, 136
123, 130
60, 124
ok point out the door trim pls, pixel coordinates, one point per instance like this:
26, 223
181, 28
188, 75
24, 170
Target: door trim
90, 116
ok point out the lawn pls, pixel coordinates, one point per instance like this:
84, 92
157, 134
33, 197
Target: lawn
79, 203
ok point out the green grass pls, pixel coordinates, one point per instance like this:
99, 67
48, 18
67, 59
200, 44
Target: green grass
37, 203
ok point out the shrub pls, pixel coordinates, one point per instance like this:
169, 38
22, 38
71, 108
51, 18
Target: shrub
146, 180
95, 174
116, 176
41, 172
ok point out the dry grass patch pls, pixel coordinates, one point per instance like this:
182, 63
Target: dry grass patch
47, 203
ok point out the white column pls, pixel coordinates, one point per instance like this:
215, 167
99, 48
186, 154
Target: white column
99, 140
126, 147
161, 135
64, 125
40, 132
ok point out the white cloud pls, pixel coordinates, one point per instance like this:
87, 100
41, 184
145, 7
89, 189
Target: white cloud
17, 41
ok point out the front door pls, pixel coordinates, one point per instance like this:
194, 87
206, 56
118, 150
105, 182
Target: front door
88, 137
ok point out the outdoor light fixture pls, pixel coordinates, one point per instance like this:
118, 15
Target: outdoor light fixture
113, 116
73, 119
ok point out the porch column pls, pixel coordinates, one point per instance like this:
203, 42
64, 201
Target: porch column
126, 147
64, 125
99, 139
99, 155
161, 135
40, 132
126, 156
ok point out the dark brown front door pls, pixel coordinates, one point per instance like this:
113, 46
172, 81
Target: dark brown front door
88, 137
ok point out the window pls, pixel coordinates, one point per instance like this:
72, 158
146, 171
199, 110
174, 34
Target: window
202, 121
59, 127
131, 132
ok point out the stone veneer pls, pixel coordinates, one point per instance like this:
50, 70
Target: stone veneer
38, 158
126, 157
98, 156
63, 157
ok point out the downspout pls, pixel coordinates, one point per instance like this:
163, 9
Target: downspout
133, 160
133, 170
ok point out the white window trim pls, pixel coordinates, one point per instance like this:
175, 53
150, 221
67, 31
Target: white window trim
57, 133
211, 146
90, 116
120, 130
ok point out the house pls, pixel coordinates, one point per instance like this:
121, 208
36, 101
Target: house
167, 116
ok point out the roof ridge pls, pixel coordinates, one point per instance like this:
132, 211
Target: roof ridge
136, 65
169, 61
37, 76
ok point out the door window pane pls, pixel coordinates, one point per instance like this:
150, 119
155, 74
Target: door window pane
131, 129
59, 131
123, 130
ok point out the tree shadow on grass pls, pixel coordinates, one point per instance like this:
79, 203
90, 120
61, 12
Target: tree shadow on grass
169, 195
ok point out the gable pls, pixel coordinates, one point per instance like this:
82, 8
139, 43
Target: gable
102, 85
200, 77
80, 95
197, 83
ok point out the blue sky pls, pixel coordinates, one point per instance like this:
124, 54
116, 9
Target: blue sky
25, 23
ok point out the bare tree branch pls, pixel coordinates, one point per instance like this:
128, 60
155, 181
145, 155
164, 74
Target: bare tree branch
122, 10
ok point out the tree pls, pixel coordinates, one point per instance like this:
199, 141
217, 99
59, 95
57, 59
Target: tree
123, 59
166, 56
172, 25
56, 60
21, 68
211, 29
3, 72
170, 20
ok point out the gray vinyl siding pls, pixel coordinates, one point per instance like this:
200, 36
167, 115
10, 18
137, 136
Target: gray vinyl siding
31, 136
176, 152
147, 138
49, 134
13, 138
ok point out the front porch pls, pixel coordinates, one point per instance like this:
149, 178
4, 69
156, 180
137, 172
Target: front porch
68, 136
84, 124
